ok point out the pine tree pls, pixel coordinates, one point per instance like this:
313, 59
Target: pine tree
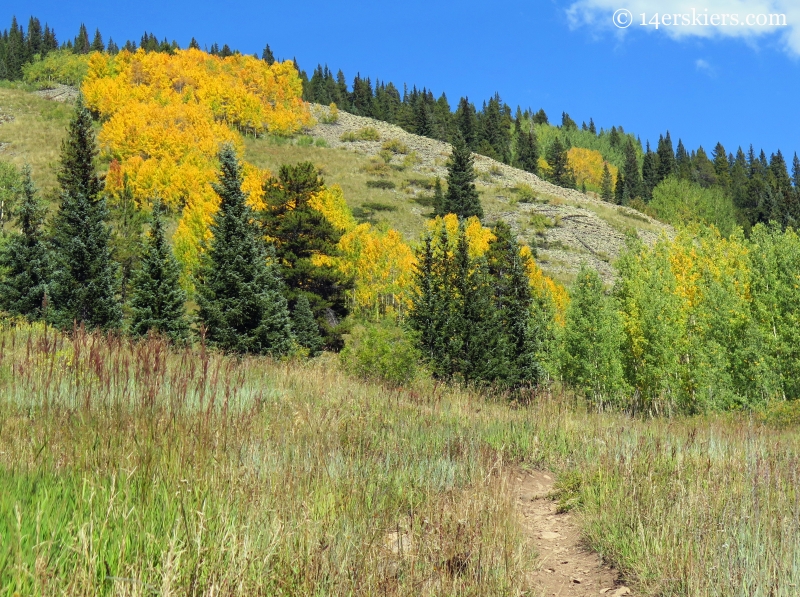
306, 329
239, 294
97, 42
438, 198
127, 224
591, 360
606, 185
649, 173
484, 353
112, 48
633, 179
514, 307
34, 40
560, 172
267, 56
666, 157
24, 259
620, 190
301, 234
462, 197
81, 45
527, 149
683, 162
592, 127
84, 281
540, 117
158, 302
467, 123
722, 168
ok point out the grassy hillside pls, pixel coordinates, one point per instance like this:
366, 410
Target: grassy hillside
566, 226
135, 469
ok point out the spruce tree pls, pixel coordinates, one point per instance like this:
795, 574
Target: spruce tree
467, 123
462, 197
620, 190
607, 185
633, 178
239, 294
666, 157
514, 305
300, 234
82, 45
24, 259
527, 149
158, 303
305, 327
127, 224
540, 117
649, 173
683, 162
560, 172
438, 198
97, 42
84, 281
267, 55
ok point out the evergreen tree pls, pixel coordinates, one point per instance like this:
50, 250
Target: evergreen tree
158, 302
239, 293
97, 42
81, 45
35, 39
567, 123
540, 117
514, 307
620, 190
193, 45
606, 185
112, 48
722, 168
560, 173
650, 170
301, 234
666, 157
305, 327
267, 55
482, 355
527, 149
683, 162
462, 197
703, 170
467, 123
633, 179
84, 281
127, 224
438, 198
592, 127
591, 358
24, 259
738, 187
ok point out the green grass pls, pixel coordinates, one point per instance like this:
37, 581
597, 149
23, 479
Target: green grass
131, 468
35, 134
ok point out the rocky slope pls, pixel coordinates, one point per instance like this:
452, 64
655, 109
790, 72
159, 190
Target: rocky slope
568, 226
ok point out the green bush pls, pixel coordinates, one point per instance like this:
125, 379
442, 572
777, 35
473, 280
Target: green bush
395, 146
60, 66
320, 142
381, 184
381, 351
305, 141
368, 133
680, 202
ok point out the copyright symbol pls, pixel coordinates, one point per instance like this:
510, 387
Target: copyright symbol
622, 18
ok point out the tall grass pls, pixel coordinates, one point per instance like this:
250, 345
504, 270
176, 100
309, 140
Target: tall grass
127, 468
135, 469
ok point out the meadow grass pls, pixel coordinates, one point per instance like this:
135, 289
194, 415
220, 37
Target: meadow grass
132, 468
35, 134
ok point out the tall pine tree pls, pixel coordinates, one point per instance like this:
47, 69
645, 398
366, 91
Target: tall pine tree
25, 258
85, 279
462, 197
158, 303
240, 295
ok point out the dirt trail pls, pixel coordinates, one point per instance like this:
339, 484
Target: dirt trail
565, 567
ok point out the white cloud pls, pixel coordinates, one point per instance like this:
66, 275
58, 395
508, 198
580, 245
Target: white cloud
598, 14
704, 66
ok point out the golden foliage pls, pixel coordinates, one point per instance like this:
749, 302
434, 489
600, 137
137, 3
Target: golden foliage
587, 164
165, 116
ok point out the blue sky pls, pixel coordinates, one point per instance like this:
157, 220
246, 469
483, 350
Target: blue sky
734, 85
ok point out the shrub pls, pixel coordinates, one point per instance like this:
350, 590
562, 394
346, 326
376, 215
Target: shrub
377, 168
368, 133
320, 142
382, 351
395, 146
332, 117
525, 193
381, 184
305, 141
495, 170
60, 66
377, 206
541, 222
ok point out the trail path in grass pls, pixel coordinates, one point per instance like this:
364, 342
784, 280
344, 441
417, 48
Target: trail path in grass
565, 566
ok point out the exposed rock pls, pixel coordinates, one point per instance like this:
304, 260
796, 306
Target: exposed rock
59, 93
582, 229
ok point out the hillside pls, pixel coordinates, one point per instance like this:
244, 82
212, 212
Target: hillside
566, 226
